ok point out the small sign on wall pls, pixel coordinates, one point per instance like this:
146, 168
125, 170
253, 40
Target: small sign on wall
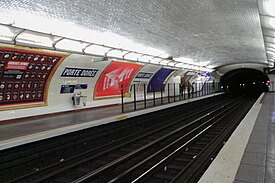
78, 72
70, 88
81, 86
67, 89
144, 75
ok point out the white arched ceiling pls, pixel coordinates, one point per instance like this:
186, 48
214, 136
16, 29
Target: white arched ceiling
227, 68
209, 32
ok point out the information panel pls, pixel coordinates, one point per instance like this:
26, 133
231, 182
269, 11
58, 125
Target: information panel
24, 75
115, 75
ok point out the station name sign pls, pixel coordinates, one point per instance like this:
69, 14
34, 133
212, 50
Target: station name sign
78, 72
144, 75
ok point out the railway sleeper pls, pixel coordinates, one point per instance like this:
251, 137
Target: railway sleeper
127, 149
62, 180
145, 141
175, 165
206, 139
164, 176
195, 148
184, 159
101, 162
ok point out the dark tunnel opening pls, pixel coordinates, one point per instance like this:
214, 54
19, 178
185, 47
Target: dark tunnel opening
245, 82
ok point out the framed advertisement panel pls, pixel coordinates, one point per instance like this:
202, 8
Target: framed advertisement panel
156, 83
115, 75
24, 76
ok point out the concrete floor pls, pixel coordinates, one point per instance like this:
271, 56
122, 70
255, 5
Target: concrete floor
30, 130
249, 154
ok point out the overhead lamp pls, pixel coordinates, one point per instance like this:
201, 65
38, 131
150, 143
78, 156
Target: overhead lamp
267, 7
270, 45
268, 22
172, 63
181, 65
71, 45
210, 66
36, 39
97, 50
202, 64
268, 32
145, 58
270, 52
8, 33
188, 66
184, 60
206, 69
151, 51
164, 62
270, 49
116, 53
164, 55
194, 67
132, 56
156, 60
269, 39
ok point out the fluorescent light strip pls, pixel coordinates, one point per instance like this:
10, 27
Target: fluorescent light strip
155, 60
132, 56
116, 53
71, 45
24, 37
36, 39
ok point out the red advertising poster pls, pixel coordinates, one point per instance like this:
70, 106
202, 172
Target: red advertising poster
115, 75
24, 76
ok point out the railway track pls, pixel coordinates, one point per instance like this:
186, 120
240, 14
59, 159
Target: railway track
132, 166
112, 163
163, 153
32, 158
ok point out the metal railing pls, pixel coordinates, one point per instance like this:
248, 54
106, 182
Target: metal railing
141, 96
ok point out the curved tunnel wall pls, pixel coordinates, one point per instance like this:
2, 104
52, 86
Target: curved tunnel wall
248, 82
56, 97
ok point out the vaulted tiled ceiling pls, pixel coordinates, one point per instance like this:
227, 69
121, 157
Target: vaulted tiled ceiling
220, 31
267, 16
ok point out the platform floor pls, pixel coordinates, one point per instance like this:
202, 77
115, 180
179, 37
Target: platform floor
249, 155
29, 130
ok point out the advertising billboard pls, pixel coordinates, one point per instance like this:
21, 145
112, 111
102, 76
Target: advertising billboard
25, 75
156, 83
113, 77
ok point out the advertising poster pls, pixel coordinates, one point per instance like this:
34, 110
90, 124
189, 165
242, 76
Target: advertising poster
156, 83
185, 84
115, 75
24, 75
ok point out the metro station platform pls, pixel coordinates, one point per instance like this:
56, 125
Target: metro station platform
23, 131
249, 154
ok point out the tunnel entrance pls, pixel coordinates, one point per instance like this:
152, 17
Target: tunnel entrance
248, 82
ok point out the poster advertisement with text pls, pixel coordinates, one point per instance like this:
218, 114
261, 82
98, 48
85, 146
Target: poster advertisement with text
24, 75
115, 75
